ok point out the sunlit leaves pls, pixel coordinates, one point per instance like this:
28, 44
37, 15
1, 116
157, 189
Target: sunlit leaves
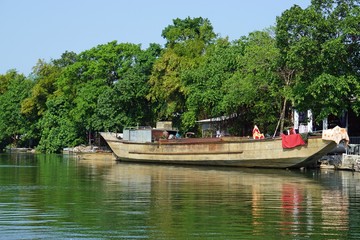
194, 31
45, 76
330, 92
253, 91
205, 90
321, 44
103, 88
187, 41
13, 124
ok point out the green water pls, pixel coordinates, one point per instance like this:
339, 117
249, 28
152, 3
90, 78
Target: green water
60, 197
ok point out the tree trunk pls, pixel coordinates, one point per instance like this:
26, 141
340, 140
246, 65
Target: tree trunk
89, 138
281, 119
282, 116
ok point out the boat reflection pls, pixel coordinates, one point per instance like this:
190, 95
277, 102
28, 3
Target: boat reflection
289, 203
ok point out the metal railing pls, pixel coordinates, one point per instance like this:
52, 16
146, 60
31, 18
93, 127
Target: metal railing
355, 140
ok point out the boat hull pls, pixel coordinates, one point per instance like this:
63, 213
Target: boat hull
234, 152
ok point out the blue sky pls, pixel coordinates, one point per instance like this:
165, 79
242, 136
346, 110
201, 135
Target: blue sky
44, 29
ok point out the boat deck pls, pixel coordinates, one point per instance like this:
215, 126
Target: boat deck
209, 140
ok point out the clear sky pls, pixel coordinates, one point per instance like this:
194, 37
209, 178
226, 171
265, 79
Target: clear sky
44, 29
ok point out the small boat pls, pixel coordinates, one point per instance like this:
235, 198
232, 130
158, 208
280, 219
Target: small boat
148, 146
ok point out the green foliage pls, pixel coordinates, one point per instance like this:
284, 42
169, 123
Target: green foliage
125, 103
332, 95
189, 32
205, 91
320, 44
66, 59
252, 92
13, 124
187, 41
45, 76
58, 129
103, 88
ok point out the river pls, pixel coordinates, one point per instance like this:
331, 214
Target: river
61, 197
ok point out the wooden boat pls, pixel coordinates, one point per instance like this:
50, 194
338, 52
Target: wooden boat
146, 146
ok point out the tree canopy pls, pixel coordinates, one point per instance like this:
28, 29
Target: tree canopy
14, 88
320, 44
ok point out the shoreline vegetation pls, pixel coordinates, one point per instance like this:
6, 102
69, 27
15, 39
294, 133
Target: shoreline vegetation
308, 60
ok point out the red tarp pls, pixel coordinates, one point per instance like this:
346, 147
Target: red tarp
292, 140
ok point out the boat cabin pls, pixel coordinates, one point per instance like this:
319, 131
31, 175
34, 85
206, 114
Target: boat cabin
214, 127
163, 130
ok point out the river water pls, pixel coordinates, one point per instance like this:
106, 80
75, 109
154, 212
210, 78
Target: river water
60, 197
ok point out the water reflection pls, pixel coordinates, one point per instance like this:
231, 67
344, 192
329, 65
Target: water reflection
232, 201
52, 196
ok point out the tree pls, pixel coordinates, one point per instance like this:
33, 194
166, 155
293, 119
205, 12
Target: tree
204, 84
66, 59
187, 41
72, 108
253, 90
13, 124
125, 103
297, 42
58, 130
340, 60
44, 76
319, 46
103, 88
